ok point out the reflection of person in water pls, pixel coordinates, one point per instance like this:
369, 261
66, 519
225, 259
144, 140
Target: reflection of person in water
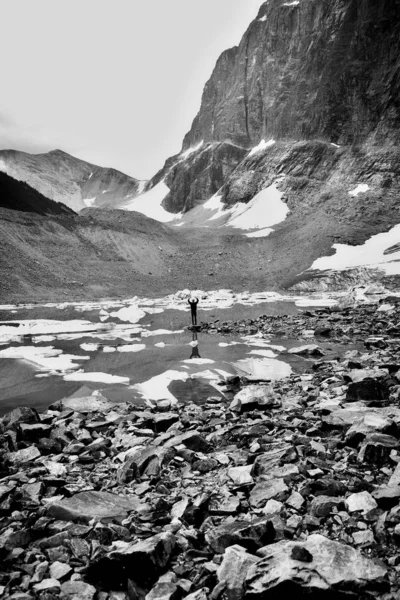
193, 307
195, 346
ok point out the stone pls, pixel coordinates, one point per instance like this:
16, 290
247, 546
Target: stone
387, 496
162, 422
84, 506
267, 490
272, 458
252, 397
141, 561
307, 350
59, 570
23, 456
361, 502
273, 507
376, 448
241, 475
322, 506
233, 570
335, 569
363, 538
367, 389
88, 404
164, 590
192, 440
21, 414
46, 585
251, 535
295, 500
369, 423
77, 590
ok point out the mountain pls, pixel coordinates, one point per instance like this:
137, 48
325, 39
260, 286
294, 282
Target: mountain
306, 106
17, 195
74, 182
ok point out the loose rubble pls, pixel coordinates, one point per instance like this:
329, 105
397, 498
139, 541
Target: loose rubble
293, 486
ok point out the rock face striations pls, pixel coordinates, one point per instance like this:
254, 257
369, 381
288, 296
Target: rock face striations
311, 76
64, 178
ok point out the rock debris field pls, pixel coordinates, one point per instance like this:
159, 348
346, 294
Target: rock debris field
292, 488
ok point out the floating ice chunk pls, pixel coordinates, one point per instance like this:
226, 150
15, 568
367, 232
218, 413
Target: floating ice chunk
199, 361
156, 388
360, 189
323, 301
96, 377
226, 345
159, 332
263, 145
265, 368
89, 201
131, 348
184, 155
90, 347
160, 345
44, 358
260, 233
129, 314
265, 353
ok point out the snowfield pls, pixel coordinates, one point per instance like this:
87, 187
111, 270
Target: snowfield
149, 204
370, 254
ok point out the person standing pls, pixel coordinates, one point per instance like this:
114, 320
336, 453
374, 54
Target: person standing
193, 307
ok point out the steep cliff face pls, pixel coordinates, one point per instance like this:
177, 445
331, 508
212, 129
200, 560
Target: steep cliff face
304, 70
64, 178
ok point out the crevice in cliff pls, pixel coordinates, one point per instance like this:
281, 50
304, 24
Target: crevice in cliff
245, 91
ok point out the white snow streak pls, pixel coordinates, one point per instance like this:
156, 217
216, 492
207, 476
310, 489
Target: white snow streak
184, 155
149, 204
360, 189
370, 254
264, 210
89, 201
263, 145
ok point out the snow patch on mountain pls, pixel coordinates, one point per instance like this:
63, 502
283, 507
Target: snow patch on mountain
149, 204
360, 189
3, 166
263, 145
184, 155
89, 201
263, 211
374, 253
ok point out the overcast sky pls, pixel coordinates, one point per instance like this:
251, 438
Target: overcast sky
114, 82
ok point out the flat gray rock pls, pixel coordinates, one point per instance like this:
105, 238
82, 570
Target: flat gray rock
321, 567
85, 506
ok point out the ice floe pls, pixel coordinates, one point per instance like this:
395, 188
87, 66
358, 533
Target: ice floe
46, 358
263, 368
132, 348
156, 388
96, 377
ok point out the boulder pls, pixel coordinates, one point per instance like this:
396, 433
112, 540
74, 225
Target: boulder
241, 475
367, 389
252, 397
376, 448
77, 590
23, 456
85, 506
248, 534
141, 561
322, 506
307, 350
335, 570
22, 414
267, 490
233, 570
362, 502
369, 423
88, 404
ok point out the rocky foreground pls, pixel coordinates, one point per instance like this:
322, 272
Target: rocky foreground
293, 487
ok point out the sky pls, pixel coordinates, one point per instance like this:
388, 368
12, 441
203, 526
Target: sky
114, 82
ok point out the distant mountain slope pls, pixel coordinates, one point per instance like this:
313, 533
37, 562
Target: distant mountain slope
74, 182
18, 195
